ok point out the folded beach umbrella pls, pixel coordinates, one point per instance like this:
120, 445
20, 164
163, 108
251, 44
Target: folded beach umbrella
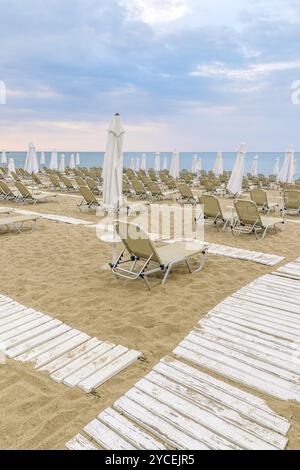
276, 167
72, 162
235, 182
194, 164
199, 165
113, 166
42, 159
137, 165
53, 162
132, 164
295, 167
165, 164
31, 164
62, 166
174, 168
218, 166
144, 162
3, 158
286, 174
254, 168
77, 159
11, 166
157, 162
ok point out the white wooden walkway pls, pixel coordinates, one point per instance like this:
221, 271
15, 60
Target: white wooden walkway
69, 356
252, 338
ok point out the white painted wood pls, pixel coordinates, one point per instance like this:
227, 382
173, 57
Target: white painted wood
228, 396
133, 433
46, 333
159, 427
16, 336
112, 368
272, 295
98, 358
8, 306
49, 360
12, 319
245, 375
107, 438
72, 355
10, 311
242, 354
215, 415
185, 424
12, 328
31, 355
289, 307
80, 442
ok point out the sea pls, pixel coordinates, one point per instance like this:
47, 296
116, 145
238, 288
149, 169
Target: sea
266, 160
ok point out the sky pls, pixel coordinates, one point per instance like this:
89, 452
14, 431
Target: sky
195, 75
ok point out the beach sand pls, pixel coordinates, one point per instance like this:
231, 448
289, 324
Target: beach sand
63, 270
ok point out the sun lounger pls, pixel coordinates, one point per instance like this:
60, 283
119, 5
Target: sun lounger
260, 197
17, 222
214, 213
145, 258
27, 196
68, 183
250, 221
7, 192
89, 199
186, 195
93, 186
55, 183
292, 201
139, 189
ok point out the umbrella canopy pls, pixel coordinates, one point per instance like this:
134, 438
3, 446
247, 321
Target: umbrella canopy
62, 166
295, 167
254, 168
3, 158
199, 165
276, 167
137, 165
157, 162
113, 166
72, 161
235, 182
174, 168
53, 162
218, 166
165, 165
31, 164
194, 164
144, 162
77, 158
42, 159
11, 166
132, 164
286, 174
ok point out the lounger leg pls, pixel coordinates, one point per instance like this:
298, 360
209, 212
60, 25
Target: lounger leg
188, 266
167, 274
202, 262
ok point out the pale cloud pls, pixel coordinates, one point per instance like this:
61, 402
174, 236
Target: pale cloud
155, 11
253, 72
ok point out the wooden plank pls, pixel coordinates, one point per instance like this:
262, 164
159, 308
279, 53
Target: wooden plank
73, 354
260, 300
11, 319
229, 396
9, 305
95, 361
217, 417
46, 333
133, 433
12, 327
166, 432
243, 354
184, 423
80, 442
273, 295
245, 375
107, 438
31, 355
47, 360
114, 367
14, 337
10, 311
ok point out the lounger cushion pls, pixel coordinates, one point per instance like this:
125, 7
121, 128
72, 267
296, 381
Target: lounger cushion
269, 221
178, 251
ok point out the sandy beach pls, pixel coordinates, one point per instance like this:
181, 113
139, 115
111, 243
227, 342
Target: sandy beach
62, 270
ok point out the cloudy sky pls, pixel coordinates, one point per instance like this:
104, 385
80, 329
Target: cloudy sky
198, 75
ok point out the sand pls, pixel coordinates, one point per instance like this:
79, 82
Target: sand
62, 270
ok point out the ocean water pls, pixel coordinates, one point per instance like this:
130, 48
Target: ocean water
93, 159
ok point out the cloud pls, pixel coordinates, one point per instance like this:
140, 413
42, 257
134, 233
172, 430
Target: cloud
155, 11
